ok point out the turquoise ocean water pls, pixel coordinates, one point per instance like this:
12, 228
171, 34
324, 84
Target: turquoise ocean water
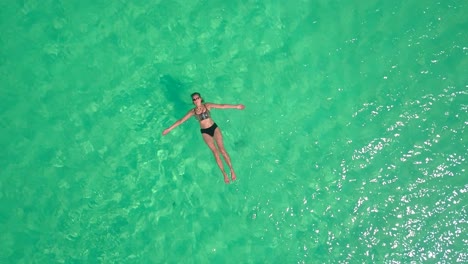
352, 147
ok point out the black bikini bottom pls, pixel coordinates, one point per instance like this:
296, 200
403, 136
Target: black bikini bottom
210, 131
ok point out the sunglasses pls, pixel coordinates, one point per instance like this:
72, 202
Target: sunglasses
194, 99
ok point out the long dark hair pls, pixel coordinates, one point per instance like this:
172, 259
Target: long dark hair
199, 95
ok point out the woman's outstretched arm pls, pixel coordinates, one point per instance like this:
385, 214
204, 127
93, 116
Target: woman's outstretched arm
178, 122
225, 106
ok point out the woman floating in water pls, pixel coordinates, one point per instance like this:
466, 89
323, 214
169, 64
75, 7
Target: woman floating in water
210, 131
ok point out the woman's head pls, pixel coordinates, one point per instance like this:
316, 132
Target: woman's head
196, 97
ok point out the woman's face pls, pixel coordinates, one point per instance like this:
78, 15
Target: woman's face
196, 99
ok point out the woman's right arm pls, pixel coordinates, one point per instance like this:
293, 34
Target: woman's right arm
178, 122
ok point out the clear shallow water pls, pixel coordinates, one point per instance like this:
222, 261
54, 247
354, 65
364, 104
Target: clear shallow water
351, 147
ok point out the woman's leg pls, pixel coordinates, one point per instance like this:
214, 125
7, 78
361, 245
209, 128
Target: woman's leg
210, 142
218, 136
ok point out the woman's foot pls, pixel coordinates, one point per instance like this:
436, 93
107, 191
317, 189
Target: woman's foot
233, 175
226, 178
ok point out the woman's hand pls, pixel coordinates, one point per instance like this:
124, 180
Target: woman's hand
240, 106
165, 132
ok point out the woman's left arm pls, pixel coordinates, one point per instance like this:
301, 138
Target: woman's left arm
225, 106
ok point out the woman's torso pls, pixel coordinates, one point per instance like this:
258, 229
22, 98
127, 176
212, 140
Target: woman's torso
203, 115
